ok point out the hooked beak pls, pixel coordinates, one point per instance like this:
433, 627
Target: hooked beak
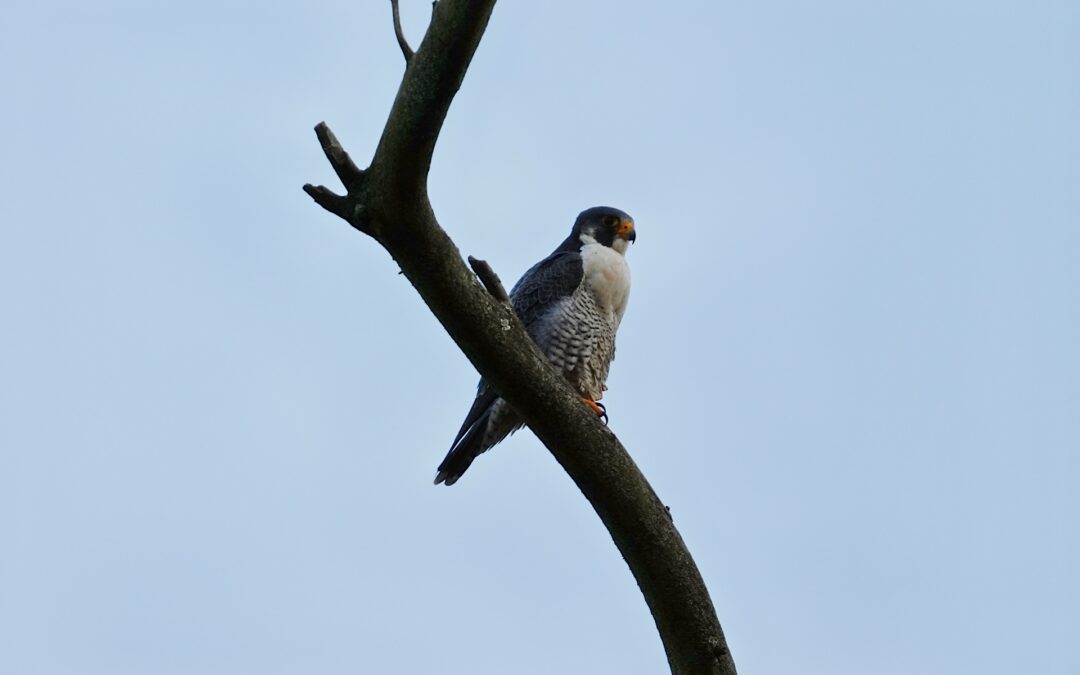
626, 231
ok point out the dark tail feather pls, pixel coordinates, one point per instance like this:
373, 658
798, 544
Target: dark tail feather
463, 452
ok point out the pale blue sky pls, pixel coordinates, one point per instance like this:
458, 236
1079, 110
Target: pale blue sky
850, 362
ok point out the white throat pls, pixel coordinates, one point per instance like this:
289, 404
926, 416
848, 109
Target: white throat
606, 275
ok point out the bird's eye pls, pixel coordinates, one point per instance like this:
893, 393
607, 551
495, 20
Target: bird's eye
611, 221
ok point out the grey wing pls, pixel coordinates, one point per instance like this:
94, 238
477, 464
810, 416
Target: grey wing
543, 289
562, 320
485, 398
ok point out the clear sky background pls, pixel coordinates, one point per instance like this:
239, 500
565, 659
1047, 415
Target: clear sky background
850, 364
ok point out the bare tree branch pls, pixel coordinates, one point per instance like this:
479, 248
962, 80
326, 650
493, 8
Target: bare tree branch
490, 280
351, 176
326, 198
406, 50
390, 202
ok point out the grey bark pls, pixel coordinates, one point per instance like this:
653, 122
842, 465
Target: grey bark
388, 201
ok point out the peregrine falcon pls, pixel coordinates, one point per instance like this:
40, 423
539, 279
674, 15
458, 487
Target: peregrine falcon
571, 303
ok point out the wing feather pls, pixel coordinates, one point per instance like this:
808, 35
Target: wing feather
541, 289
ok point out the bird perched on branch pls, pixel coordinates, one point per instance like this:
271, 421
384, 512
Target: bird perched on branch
571, 303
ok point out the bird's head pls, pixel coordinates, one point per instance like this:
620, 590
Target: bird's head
604, 225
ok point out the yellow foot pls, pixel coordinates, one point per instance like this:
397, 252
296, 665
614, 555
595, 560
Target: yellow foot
597, 408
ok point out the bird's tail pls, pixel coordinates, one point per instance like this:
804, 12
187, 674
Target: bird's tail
466, 447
